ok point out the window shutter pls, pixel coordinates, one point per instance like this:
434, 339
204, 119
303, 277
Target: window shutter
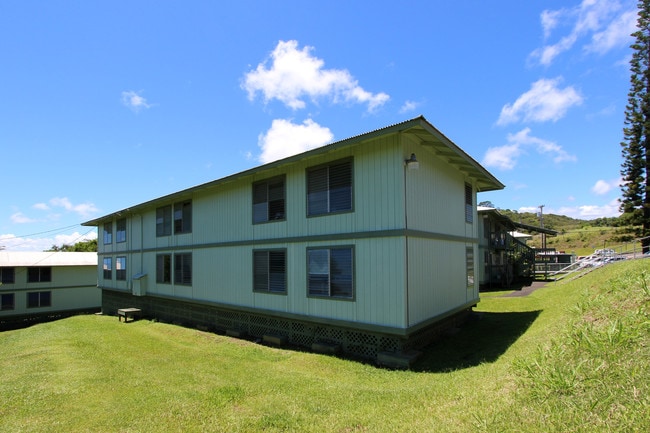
260, 204
340, 186
276, 201
469, 206
277, 271
318, 272
341, 272
260, 270
317, 197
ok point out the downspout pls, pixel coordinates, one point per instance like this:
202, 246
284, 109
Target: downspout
406, 240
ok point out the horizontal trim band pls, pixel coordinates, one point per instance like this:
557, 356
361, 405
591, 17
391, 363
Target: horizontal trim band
5, 288
313, 238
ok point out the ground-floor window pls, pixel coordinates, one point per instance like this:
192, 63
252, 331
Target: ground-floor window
469, 263
120, 268
270, 271
108, 268
164, 268
7, 301
39, 299
183, 269
331, 272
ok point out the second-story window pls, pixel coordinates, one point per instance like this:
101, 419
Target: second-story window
7, 275
108, 233
120, 230
39, 274
469, 204
329, 188
164, 221
269, 200
183, 217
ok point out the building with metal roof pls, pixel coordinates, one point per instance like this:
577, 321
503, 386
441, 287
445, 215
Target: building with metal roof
367, 245
37, 286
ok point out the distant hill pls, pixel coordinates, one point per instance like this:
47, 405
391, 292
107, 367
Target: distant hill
559, 223
581, 237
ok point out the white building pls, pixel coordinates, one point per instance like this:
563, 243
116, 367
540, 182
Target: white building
40, 285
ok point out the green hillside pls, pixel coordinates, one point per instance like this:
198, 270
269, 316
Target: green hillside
568, 357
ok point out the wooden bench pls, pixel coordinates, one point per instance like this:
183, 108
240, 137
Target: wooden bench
128, 312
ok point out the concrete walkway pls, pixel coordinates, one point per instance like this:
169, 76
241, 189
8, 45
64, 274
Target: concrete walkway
527, 290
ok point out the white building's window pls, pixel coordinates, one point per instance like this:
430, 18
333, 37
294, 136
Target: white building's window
7, 301
39, 299
39, 274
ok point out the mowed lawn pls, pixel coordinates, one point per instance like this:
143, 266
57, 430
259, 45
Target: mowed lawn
569, 357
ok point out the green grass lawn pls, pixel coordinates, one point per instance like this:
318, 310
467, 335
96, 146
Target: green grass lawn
568, 357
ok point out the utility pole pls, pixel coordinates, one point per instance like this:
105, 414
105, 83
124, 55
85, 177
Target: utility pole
541, 224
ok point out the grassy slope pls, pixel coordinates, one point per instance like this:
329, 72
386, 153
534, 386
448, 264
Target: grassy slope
568, 357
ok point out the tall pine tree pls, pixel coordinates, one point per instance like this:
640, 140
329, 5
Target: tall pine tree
635, 201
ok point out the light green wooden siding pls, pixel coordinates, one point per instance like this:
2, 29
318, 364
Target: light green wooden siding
222, 272
224, 275
435, 202
437, 278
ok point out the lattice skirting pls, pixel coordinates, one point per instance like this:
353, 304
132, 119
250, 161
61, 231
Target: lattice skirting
352, 342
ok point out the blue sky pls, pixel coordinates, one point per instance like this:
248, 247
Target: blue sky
104, 105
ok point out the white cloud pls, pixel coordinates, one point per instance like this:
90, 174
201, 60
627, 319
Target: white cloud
585, 212
502, 157
529, 209
83, 209
409, 106
134, 101
291, 74
589, 212
543, 102
41, 206
618, 33
506, 157
602, 187
20, 218
285, 138
608, 26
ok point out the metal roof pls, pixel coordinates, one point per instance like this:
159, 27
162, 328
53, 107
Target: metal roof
506, 220
48, 258
419, 128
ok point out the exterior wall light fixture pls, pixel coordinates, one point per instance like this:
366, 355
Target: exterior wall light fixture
412, 163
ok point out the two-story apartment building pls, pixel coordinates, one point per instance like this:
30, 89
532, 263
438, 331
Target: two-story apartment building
367, 244
35, 286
